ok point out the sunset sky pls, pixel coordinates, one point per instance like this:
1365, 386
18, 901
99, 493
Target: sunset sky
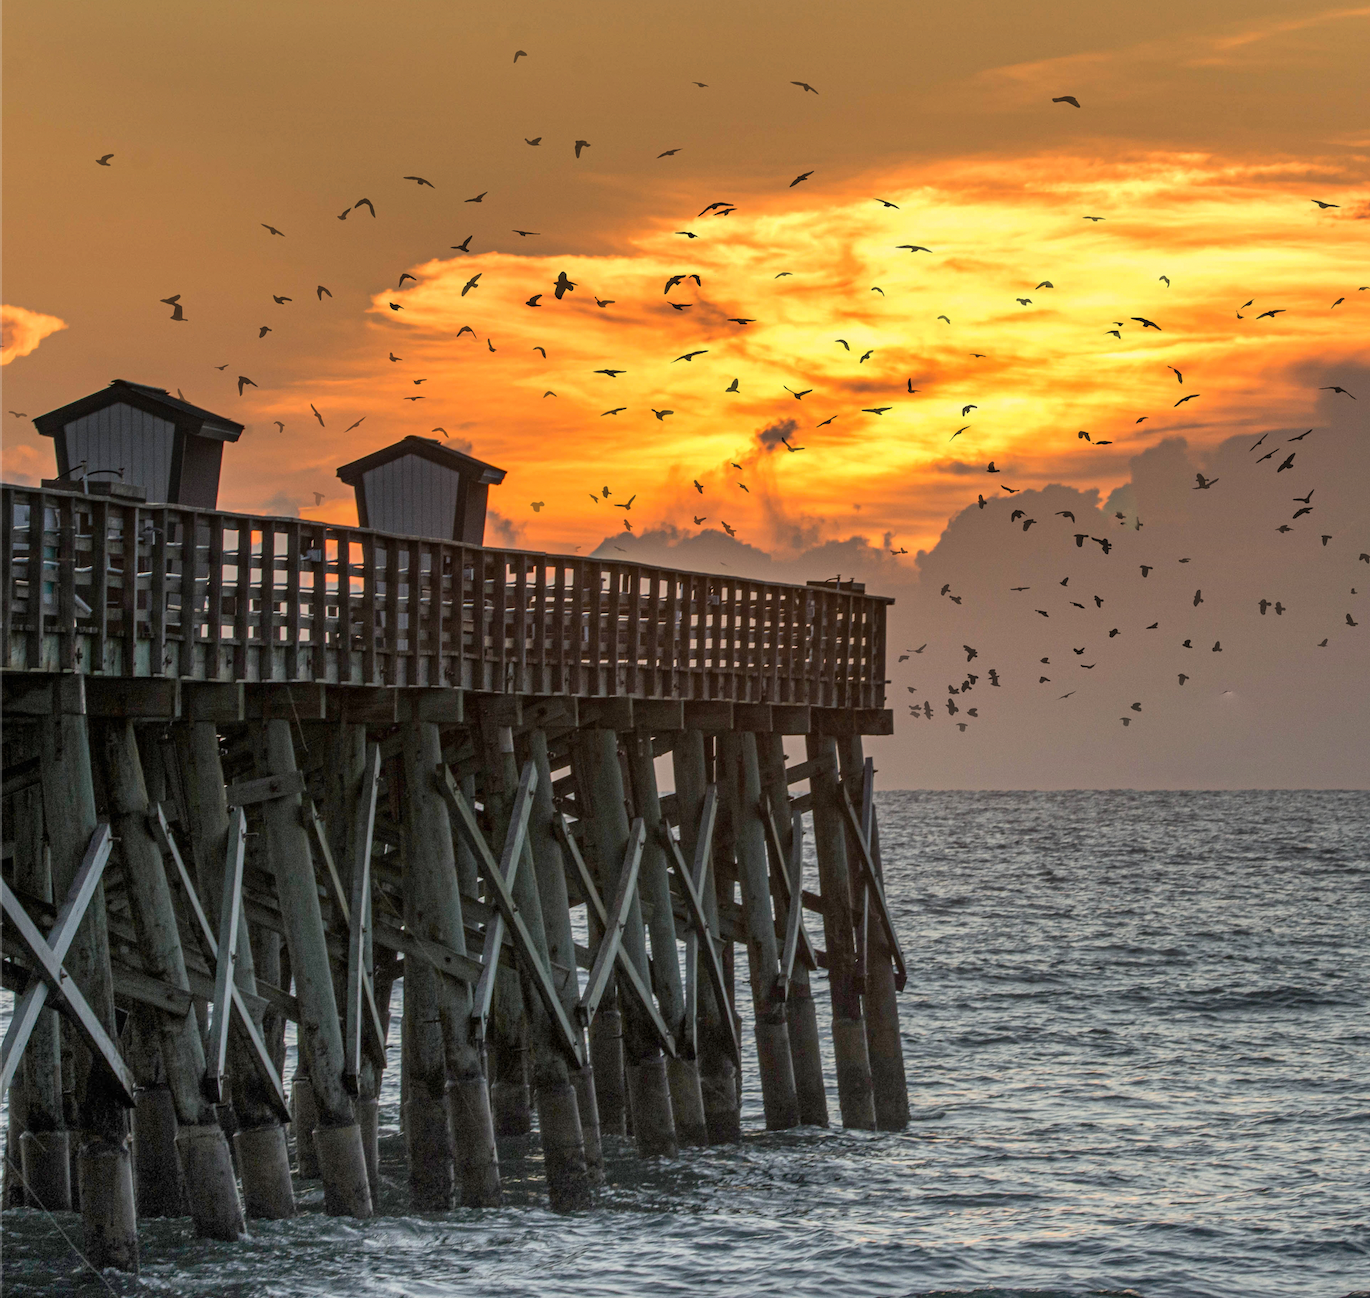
1205, 132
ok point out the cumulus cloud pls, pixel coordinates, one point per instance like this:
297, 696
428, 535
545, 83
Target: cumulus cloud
22, 330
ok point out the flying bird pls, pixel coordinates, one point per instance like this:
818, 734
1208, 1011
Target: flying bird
520, 54
103, 162
543, 350
912, 247
1190, 397
1277, 311
1204, 483
321, 291
798, 396
366, 203
1147, 324
1318, 201
1067, 99
886, 203
533, 142
420, 181
581, 144
732, 387
876, 410
464, 245
797, 179
613, 374
479, 197
471, 283
526, 233
804, 85
271, 228
1334, 388
533, 301
244, 382
670, 153
317, 416
563, 286
661, 414
280, 301
689, 356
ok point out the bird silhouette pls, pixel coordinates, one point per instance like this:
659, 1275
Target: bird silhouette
272, 229
104, 161
581, 144
804, 85
798, 178
420, 181
244, 382
1067, 99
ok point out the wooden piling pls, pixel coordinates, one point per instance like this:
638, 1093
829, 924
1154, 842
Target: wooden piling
741, 781
109, 1223
550, 869
718, 1073
260, 1143
211, 1191
433, 910
883, 1041
600, 786
563, 1144
854, 1087
800, 1013
43, 1148
682, 1072
342, 1162
158, 1181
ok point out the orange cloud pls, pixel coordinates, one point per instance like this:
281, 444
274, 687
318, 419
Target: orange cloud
1184, 241
23, 330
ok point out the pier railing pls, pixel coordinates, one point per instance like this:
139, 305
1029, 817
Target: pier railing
100, 585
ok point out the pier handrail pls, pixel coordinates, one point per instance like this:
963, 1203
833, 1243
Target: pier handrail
105, 586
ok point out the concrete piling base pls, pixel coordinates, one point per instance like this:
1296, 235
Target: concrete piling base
583, 1082
718, 1086
161, 1185
606, 1056
775, 1065
801, 1016
264, 1164
304, 1110
110, 1237
211, 1190
653, 1122
368, 1119
346, 1191
854, 1087
468, 1107
45, 1157
563, 1148
687, 1101
428, 1141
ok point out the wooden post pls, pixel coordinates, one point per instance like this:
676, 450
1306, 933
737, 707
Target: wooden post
800, 1012
740, 779
344, 791
337, 1138
263, 1159
550, 869
717, 1068
427, 1128
883, 1041
600, 784
159, 1184
44, 1149
854, 1087
211, 1190
682, 1072
106, 1170
433, 910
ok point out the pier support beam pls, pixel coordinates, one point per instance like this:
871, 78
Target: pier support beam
854, 1089
550, 869
433, 910
740, 778
600, 783
110, 1229
883, 1041
44, 1148
682, 1072
207, 1165
718, 1075
263, 1159
337, 1138
800, 1014
563, 1144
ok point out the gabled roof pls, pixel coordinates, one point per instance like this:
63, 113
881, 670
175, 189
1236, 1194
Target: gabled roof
426, 448
155, 401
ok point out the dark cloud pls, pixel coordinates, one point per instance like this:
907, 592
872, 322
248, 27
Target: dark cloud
770, 437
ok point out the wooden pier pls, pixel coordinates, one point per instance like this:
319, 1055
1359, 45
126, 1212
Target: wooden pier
258, 769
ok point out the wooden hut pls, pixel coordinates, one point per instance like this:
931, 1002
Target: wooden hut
419, 487
144, 438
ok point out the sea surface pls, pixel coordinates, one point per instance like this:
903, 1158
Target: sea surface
1137, 1028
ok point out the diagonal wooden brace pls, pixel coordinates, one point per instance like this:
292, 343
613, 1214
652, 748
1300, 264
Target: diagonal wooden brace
877, 891
246, 1023
358, 974
615, 922
371, 1017
627, 970
216, 1052
794, 921
500, 877
52, 981
692, 885
781, 874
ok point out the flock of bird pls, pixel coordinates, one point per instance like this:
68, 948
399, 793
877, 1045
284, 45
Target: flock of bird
955, 699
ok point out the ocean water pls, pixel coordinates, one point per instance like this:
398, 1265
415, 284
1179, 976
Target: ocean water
1138, 1043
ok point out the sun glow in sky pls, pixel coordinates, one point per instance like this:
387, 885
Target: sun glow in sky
1205, 133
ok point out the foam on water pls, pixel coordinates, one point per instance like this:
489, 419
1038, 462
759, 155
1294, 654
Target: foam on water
1137, 1037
